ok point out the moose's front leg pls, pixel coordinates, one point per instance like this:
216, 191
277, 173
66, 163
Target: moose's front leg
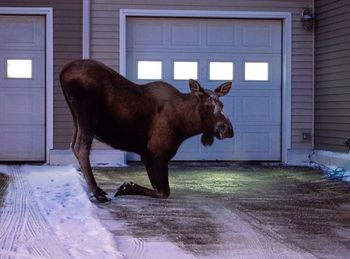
157, 170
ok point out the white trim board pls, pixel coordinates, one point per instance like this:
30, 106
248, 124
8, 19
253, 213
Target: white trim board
286, 18
48, 13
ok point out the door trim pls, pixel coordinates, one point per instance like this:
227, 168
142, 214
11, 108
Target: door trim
286, 18
48, 13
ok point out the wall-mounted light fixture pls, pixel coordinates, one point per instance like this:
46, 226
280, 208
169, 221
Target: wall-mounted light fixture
307, 19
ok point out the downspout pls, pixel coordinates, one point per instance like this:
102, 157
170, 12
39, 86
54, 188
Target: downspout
86, 29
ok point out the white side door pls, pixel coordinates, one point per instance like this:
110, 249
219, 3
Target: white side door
22, 88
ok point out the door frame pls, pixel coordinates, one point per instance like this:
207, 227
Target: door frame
285, 17
48, 13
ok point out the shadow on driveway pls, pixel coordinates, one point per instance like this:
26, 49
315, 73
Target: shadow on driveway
230, 210
4, 181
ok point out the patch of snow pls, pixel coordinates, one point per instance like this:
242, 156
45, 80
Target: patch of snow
334, 154
62, 197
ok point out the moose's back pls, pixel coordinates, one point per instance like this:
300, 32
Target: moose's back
121, 112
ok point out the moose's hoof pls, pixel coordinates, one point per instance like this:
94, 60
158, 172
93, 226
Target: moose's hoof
101, 196
101, 191
125, 189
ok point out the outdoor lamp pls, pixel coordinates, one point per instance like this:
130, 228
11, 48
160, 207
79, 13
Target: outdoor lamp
307, 19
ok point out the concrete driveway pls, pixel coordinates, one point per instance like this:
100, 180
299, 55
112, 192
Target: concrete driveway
230, 210
216, 210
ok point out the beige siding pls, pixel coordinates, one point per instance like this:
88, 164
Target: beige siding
332, 74
105, 44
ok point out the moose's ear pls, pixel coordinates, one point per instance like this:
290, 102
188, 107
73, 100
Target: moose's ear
195, 87
223, 89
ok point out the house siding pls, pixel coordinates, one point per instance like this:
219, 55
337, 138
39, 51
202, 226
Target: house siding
105, 45
332, 74
67, 45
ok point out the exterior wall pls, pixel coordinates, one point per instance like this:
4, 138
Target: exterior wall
332, 74
105, 45
67, 47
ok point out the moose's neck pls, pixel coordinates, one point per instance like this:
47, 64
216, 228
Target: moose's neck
192, 123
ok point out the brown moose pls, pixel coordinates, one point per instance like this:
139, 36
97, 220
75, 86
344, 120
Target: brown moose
151, 120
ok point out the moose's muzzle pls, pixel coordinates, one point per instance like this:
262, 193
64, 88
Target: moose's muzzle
224, 130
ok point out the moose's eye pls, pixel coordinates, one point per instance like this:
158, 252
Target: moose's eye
209, 106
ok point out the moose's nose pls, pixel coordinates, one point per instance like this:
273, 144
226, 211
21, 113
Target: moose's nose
230, 132
225, 130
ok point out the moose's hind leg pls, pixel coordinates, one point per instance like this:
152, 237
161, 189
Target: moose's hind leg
81, 150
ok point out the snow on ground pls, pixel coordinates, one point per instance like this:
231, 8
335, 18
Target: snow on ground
64, 205
335, 165
334, 154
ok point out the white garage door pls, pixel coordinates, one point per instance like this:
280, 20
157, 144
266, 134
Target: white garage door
22, 88
248, 52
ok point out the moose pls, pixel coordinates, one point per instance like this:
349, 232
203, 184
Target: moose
151, 120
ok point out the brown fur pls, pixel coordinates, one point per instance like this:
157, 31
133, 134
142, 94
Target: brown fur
151, 120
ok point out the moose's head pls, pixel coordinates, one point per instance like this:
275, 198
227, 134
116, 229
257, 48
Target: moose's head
214, 121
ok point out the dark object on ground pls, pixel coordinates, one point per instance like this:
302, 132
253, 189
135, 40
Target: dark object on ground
347, 143
151, 120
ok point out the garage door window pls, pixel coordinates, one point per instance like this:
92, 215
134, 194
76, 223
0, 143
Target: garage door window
149, 70
19, 68
256, 71
184, 70
221, 70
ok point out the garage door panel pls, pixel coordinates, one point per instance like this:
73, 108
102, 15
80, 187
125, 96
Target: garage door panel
257, 143
22, 32
145, 34
256, 36
261, 141
218, 35
259, 108
262, 35
22, 106
191, 32
22, 143
256, 108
